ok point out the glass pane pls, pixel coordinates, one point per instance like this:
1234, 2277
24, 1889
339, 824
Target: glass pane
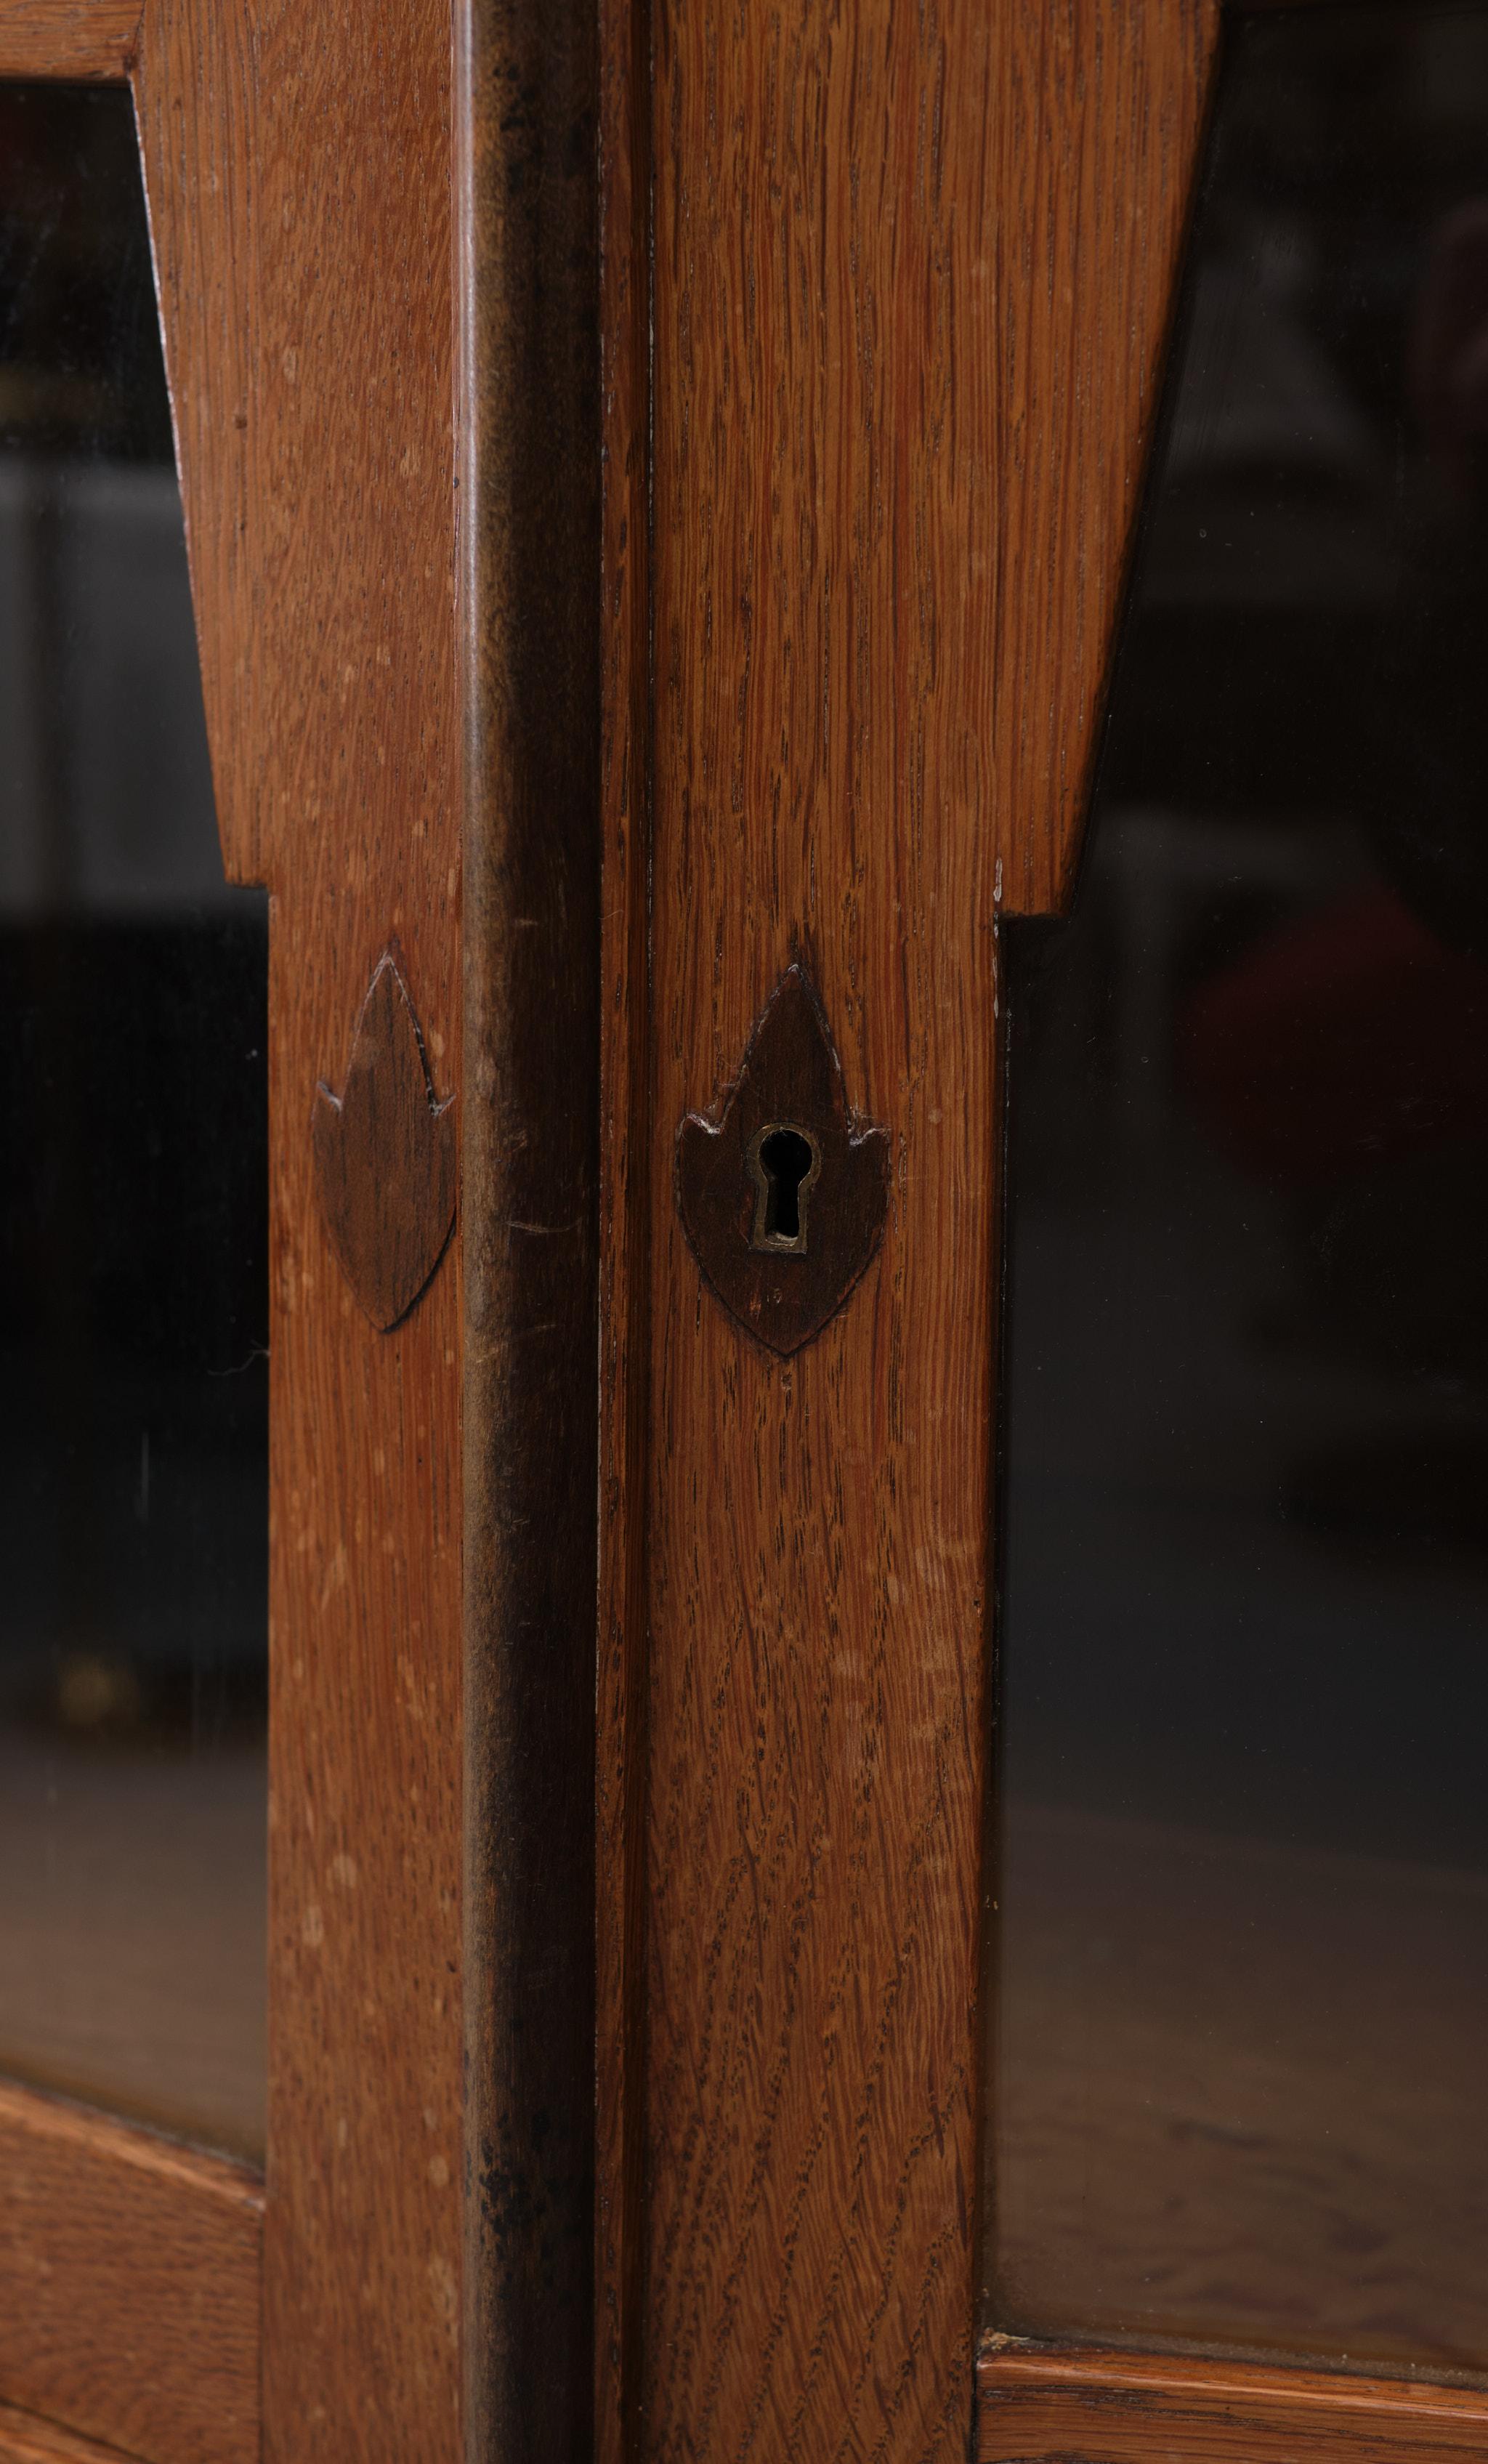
133, 1214
1240, 2053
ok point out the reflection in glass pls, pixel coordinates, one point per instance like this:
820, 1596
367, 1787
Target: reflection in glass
133, 1233
1239, 2061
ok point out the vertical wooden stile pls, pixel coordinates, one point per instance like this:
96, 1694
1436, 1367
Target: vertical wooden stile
889, 350
298, 168
809, 1549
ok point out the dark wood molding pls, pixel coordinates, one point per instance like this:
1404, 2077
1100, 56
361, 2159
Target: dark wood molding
1037, 2406
130, 2285
783, 1285
627, 1113
387, 1169
528, 367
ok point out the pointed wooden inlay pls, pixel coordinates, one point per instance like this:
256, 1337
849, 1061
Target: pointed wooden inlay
385, 1159
784, 1197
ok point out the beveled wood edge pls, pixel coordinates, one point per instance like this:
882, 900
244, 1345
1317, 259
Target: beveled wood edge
69, 2173
1219, 17
87, 41
25, 2438
1108, 2405
63, 2123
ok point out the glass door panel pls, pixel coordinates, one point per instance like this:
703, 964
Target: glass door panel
1239, 2052
133, 1214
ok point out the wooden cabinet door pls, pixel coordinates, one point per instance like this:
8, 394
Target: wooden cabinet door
156, 2302
886, 294
373, 247
667, 478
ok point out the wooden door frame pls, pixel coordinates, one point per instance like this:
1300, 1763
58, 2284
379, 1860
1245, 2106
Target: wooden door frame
885, 300
297, 175
871, 413
874, 431
375, 253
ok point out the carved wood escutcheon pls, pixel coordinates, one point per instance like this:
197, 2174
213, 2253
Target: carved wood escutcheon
783, 1197
385, 1160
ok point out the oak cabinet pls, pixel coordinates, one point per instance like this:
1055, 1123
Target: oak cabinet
843, 648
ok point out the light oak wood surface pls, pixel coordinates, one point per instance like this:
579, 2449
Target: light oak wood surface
298, 168
297, 171
1112, 2407
90, 40
25, 2438
129, 2284
1095, 147
894, 370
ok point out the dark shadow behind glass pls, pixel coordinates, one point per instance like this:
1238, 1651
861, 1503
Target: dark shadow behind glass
133, 1217
1239, 2052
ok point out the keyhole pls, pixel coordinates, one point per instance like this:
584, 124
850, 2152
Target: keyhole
784, 1163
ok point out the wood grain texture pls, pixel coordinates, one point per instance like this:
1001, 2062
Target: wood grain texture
27, 2439
816, 1529
1101, 113
386, 1162
89, 41
816, 1577
529, 572
1111, 2407
905, 354
130, 2278
298, 171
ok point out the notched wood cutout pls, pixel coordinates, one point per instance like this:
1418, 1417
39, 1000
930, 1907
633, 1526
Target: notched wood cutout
386, 1164
783, 1197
